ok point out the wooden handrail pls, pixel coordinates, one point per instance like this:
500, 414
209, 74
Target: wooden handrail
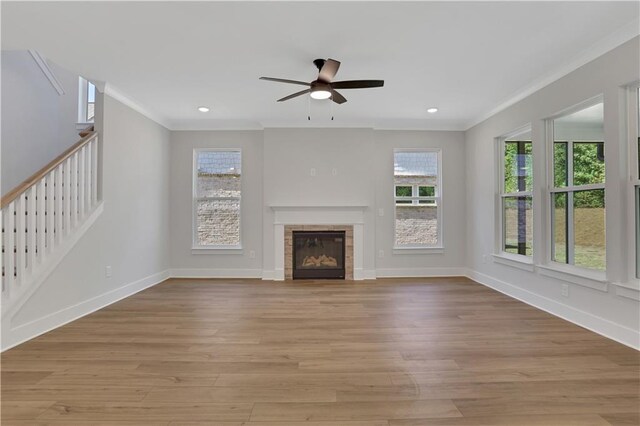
14, 193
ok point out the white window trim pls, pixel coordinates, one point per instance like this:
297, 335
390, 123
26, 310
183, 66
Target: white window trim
501, 256
592, 278
82, 104
421, 248
633, 182
217, 249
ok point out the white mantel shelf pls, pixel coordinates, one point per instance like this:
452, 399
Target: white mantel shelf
319, 215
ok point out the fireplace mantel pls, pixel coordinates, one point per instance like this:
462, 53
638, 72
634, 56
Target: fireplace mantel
319, 215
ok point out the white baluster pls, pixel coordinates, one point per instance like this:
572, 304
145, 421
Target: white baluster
94, 168
31, 229
21, 238
58, 203
9, 240
67, 197
74, 191
41, 219
81, 186
88, 187
50, 213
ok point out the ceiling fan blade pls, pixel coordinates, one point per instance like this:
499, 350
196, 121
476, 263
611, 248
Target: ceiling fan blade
357, 84
282, 80
302, 92
329, 70
337, 97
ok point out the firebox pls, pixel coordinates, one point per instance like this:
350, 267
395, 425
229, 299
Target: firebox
318, 254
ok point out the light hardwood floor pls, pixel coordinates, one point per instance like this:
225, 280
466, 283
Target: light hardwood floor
378, 353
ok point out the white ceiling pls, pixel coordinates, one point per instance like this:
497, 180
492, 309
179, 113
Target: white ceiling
467, 58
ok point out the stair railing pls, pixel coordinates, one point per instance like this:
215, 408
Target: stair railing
44, 210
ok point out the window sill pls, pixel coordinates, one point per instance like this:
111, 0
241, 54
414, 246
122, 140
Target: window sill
596, 280
82, 126
217, 250
418, 250
516, 261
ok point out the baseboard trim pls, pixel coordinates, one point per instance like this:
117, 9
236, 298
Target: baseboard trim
215, 273
14, 336
419, 272
604, 327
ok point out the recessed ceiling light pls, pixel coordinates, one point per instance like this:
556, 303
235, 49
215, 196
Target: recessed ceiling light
203, 109
432, 110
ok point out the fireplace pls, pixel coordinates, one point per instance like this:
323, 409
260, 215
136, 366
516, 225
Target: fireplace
318, 254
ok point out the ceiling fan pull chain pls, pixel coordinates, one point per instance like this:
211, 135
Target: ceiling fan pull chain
331, 106
309, 108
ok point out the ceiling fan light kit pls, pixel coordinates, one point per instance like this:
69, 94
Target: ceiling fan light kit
324, 87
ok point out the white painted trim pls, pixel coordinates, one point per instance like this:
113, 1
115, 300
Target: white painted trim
13, 336
56, 257
420, 272
602, 326
615, 39
215, 273
268, 275
515, 261
573, 274
368, 274
116, 94
47, 71
417, 250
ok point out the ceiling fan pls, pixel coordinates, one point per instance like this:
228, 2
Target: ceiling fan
323, 87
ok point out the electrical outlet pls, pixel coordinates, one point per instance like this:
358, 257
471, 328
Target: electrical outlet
334, 172
312, 172
565, 290
380, 212
252, 254
108, 271
381, 253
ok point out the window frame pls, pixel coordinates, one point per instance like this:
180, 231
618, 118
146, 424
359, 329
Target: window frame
502, 195
415, 201
570, 190
633, 185
83, 101
195, 199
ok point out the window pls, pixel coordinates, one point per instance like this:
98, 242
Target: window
86, 101
216, 205
634, 139
417, 195
516, 193
577, 193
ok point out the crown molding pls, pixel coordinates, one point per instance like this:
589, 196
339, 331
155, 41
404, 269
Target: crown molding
42, 63
613, 40
110, 90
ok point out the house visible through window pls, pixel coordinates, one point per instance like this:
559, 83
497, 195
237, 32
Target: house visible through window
417, 194
217, 191
516, 194
577, 196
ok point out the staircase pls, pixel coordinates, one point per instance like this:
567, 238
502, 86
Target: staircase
44, 216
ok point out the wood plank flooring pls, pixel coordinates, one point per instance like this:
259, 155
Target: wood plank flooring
401, 352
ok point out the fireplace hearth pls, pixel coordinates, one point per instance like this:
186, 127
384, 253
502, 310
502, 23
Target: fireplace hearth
318, 255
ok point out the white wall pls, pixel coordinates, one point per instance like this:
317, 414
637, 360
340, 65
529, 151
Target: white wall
131, 235
225, 263
38, 124
277, 167
605, 310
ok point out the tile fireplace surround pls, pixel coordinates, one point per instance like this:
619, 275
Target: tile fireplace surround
318, 218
